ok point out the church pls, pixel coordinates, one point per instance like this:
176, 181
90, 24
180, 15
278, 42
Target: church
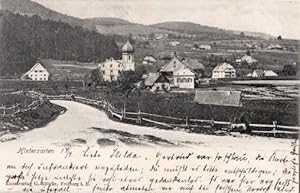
111, 68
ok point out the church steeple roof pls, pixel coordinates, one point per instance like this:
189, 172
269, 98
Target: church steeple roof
127, 48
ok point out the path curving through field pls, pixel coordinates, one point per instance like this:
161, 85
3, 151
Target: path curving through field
85, 125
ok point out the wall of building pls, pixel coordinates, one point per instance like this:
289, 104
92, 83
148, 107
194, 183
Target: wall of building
184, 82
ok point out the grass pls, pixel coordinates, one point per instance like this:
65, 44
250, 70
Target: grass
181, 105
8, 100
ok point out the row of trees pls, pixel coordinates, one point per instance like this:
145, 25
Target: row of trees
23, 39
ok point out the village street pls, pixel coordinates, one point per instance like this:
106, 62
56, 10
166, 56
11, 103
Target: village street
76, 128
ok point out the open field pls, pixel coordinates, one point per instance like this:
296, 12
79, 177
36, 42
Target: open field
271, 103
181, 105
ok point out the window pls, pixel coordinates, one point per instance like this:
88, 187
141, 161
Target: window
111, 71
35, 71
103, 72
119, 71
119, 65
111, 65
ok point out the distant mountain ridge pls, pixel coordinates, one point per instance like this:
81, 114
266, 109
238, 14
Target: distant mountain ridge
109, 25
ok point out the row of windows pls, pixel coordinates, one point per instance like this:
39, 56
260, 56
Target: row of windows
35, 75
38, 71
111, 72
111, 66
184, 80
39, 79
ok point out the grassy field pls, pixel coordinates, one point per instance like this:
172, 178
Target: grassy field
8, 100
181, 104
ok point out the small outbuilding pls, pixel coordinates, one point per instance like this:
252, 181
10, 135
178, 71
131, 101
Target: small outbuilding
224, 98
156, 82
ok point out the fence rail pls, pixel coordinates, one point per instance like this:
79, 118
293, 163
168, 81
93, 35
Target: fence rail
17, 108
186, 123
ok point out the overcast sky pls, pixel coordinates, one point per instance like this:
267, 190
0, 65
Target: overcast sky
275, 17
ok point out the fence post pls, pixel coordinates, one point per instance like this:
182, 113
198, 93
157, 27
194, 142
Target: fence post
4, 111
212, 122
18, 107
187, 120
139, 118
274, 128
14, 109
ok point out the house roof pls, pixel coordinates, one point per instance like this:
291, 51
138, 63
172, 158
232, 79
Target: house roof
263, 73
222, 67
225, 98
249, 59
270, 73
176, 63
149, 58
184, 71
152, 78
193, 64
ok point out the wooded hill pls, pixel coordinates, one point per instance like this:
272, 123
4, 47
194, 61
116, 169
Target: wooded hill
24, 39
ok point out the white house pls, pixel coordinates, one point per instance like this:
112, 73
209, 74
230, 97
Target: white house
184, 78
205, 47
262, 73
37, 73
149, 60
223, 70
111, 68
249, 60
174, 43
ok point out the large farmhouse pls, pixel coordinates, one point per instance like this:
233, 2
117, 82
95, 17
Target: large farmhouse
37, 73
223, 70
182, 73
111, 68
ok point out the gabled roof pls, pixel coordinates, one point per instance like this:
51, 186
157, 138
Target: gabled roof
222, 67
226, 98
193, 64
150, 58
36, 66
152, 78
184, 71
174, 64
179, 63
270, 73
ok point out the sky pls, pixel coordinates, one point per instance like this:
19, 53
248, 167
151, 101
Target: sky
275, 17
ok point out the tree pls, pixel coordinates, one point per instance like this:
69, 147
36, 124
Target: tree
279, 38
248, 53
126, 83
151, 36
196, 46
242, 34
96, 76
289, 70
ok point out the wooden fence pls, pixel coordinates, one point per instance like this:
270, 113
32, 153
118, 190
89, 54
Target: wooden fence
178, 123
17, 108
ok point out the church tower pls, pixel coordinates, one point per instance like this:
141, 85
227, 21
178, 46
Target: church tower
128, 56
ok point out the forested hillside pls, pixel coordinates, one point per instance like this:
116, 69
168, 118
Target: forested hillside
24, 39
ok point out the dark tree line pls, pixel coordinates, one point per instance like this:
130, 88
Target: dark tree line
24, 39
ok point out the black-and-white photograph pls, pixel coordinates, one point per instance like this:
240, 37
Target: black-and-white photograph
158, 96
